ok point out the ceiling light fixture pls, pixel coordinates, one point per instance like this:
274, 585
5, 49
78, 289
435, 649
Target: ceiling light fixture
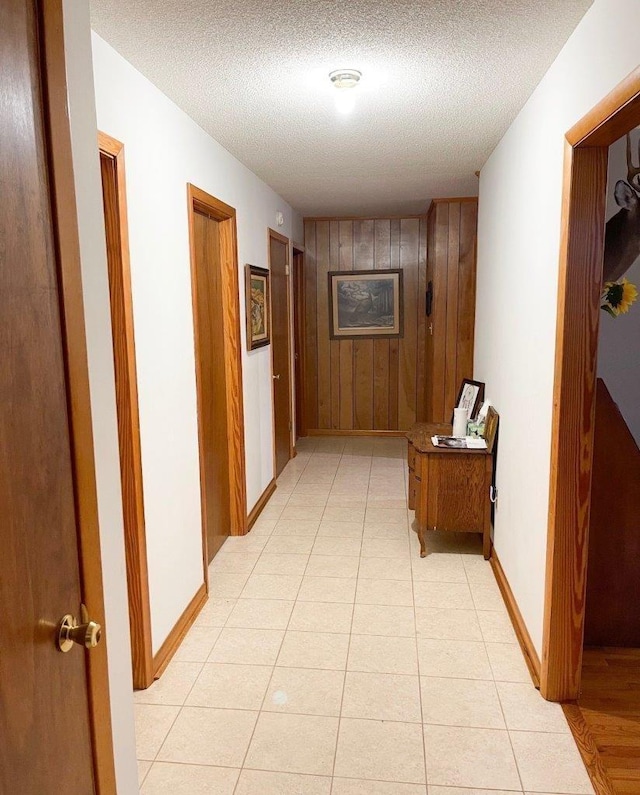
345, 78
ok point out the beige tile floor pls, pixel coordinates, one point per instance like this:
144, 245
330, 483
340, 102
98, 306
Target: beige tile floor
332, 660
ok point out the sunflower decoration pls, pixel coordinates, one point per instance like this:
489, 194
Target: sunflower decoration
617, 297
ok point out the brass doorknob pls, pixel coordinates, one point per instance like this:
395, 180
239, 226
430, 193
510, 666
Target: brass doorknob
70, 632
276, 377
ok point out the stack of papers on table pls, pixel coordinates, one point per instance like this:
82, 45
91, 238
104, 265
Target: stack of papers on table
459, 442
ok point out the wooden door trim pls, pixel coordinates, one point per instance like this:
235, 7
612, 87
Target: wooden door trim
129, 436
75, 353
580, 279
272, 234
201, 201
299, 313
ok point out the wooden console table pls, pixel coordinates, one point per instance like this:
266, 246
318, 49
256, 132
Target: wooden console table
449, 489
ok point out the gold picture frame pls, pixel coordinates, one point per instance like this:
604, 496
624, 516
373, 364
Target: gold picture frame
258, 307
365, 303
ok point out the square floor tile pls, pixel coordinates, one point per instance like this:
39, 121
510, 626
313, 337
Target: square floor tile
305, 691
272, 586
270, 563
255, 646
458, 659
393, 697
507, 662
293, 744
230, 686
332, 566
465, 791
526, 710
380, 750
458, 757
215, 613
550, 763
336, 529
385, 569
204, 736
336, 546
378, 654
227, 585
439, 567
153, 722
350, 786
246, 544
385, 548
172, 687
443, 594
316, 617
386, 515
166, 778
296, 528
314, 500
262, 782
496, 627
305, 513
314, 650
296, 544
384, 592
327, 589
444, 624
261, 614
383, 620
487, 596
461, 702
388, 531
231, 563
353, 512
197, 644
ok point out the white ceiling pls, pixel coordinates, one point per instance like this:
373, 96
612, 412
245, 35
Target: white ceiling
442, 81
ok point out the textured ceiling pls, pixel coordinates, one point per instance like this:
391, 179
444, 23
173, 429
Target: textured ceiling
442, 81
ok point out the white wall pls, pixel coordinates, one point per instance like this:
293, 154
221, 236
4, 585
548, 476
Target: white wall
619, 340
164, 150
518, 247
82, 117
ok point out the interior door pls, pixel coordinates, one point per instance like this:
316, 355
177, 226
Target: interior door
280, 347
45, 737
213, 417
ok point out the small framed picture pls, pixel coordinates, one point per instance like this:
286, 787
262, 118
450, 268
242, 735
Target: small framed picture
491, 428
258, 307
365, 304
470, 396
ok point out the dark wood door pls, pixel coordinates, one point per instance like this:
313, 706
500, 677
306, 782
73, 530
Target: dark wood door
281, 351
213, 410
45, 738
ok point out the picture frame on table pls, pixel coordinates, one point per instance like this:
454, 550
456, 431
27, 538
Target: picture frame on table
258, 307
470, 397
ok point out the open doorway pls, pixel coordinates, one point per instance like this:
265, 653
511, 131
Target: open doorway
576, 438
214, 278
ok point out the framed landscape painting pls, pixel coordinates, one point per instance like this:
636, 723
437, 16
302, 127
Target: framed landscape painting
365, 304
257, 300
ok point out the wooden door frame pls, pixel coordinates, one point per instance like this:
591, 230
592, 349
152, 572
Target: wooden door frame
64, 211
299, 307
129, 433
272, 234
579, 289
202, 202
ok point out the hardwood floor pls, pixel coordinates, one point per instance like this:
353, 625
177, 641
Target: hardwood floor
606, 719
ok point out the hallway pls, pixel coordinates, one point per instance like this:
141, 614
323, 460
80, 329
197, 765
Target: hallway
330, 658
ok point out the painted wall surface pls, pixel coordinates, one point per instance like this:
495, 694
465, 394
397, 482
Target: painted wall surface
82, 118
619, 340
518, 247
164, 150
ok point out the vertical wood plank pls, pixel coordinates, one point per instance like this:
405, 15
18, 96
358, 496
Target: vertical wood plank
311, 344
409, 255
363, 349
422, 323
466, 291
324, 354
346, 346
334, 345
381, 260
394, 345
451, 387
439, 316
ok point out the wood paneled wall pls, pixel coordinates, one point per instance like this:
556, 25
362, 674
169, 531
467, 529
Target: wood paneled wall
367, 384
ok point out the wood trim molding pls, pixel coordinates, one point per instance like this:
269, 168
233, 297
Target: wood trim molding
522, 633
117, 235
163, 656
65, 214
579, 285
336, 432
315, 218
263, 499
199, 200
588, 749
